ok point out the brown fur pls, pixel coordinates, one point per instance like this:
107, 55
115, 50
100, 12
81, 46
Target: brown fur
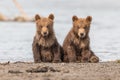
77, 43
89, 56
45, 45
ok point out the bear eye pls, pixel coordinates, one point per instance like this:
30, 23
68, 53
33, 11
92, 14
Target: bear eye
47, 26
40, 26
78, 27
85, 27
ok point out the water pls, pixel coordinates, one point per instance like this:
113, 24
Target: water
16, 38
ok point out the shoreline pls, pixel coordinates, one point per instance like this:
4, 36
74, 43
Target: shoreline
60, 71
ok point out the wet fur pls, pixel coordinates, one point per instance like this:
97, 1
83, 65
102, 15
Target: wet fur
46, 48
77, 49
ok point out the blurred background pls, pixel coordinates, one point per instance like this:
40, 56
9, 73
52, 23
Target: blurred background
16, 37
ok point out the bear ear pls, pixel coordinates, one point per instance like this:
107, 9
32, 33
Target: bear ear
51, 16
37, 17
74, 18
89, 18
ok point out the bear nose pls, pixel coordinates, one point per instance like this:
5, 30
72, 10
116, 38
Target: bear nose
81, 34
45, 33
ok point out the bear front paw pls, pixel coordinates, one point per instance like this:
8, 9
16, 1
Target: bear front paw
56, 61
72, 60
37, 61
94, 59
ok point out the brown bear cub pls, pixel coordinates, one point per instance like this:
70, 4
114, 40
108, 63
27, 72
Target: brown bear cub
45, 45
76, 45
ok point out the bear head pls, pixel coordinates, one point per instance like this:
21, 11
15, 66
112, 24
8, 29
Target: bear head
81, 26
44, 25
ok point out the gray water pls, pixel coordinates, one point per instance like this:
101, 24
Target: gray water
16, 37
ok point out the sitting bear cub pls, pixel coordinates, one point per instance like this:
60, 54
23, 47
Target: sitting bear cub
45, 45
76, 45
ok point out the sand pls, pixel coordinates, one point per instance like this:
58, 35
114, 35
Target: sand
60, 71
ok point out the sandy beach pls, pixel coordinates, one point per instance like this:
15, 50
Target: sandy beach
16, 39
60, 71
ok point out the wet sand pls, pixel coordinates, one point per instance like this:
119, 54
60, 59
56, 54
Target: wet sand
60, 71
18, 36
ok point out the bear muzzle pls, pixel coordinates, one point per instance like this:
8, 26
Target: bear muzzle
44, 32
81, 33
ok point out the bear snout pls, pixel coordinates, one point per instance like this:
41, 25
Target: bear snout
44, 31
81, 33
